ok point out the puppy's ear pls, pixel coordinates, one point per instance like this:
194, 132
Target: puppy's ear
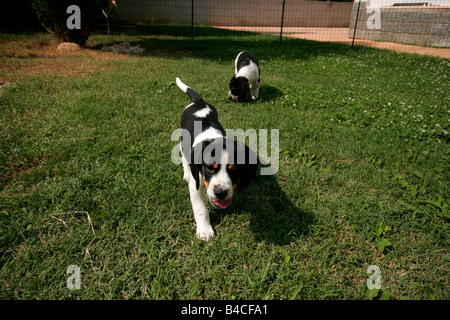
195, 169
233, 86
232, 81
244, 91
196, 164
197, 161
249, 168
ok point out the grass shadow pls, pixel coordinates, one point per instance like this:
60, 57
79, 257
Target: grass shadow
118, 26
274, 218
266, 93
222, 44
269, 93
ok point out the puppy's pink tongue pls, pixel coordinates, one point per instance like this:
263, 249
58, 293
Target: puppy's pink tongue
222, 204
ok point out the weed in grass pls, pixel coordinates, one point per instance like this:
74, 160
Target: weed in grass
381, 242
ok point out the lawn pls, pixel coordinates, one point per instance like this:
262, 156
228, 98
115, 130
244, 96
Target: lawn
86, 176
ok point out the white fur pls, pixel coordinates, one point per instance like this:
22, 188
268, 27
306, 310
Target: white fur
251, 73
181, 85
190, 104
201, 214
204, 229
186, 169
202, 113
210, 133
221, 180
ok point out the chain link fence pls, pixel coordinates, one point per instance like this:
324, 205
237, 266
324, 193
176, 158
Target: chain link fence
387, 24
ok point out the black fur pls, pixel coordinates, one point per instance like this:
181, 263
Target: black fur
240, 87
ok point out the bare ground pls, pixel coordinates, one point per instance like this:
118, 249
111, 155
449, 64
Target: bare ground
341, 35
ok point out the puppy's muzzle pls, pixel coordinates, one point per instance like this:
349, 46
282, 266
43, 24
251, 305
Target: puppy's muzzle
231, 97
220, 193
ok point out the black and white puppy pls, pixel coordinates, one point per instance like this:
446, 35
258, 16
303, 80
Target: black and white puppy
246, 76
211, 161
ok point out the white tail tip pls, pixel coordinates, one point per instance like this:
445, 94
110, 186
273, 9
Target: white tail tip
181, 85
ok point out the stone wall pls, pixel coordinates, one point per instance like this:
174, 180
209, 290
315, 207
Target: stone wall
420, 25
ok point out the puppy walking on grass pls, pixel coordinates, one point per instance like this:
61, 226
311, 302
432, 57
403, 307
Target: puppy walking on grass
211, 160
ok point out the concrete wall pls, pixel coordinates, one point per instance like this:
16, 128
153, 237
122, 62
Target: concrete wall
424, 25
246, 13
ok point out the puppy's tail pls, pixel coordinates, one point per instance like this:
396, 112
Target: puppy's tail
191, 93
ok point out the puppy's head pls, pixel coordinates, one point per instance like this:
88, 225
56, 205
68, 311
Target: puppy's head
239, 89
225, 165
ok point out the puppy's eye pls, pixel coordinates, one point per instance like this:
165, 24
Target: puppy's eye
212, 167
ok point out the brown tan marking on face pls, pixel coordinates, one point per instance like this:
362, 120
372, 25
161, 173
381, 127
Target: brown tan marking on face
206, 182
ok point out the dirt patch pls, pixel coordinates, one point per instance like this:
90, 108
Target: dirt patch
22, 59
124, 47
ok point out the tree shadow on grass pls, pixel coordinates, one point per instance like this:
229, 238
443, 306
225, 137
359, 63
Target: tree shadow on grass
274, 219
223, 45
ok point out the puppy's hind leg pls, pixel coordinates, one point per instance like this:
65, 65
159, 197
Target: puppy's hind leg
255, 89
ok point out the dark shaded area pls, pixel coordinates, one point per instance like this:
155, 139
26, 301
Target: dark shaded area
223, 45
269, 93
59, 16
18, 17
275, 218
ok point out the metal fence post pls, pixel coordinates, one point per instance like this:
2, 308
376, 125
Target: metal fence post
282, 21
192, 20
356, 23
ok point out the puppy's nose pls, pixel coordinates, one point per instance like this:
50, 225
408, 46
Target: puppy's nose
220, 193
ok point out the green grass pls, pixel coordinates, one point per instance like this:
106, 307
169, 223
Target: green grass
86, 177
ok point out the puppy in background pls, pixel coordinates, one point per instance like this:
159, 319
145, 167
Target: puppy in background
246, 77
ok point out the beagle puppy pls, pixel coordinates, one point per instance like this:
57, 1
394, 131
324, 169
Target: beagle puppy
211, 161
246, 76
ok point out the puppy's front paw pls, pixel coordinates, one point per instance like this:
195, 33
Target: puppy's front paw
205, 233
